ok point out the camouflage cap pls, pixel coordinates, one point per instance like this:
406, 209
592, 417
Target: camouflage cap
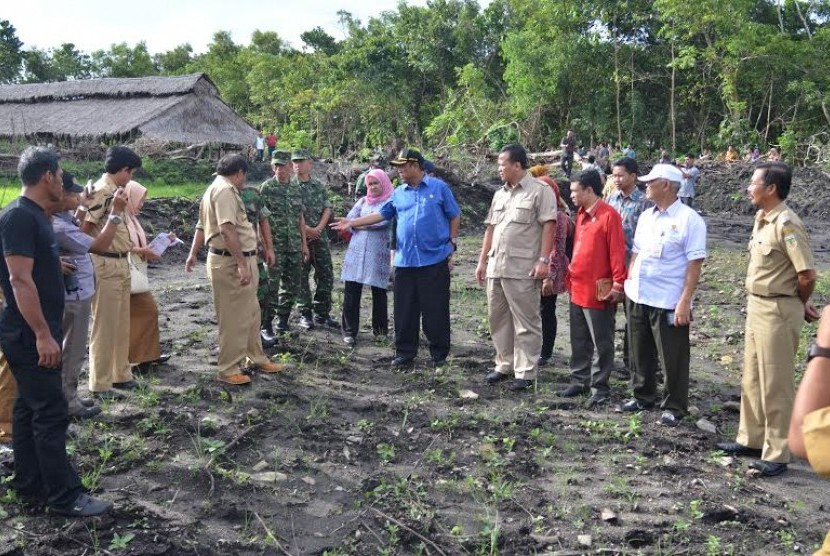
280, 158
300, 154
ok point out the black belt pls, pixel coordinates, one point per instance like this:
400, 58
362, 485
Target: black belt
226, 253
114, 255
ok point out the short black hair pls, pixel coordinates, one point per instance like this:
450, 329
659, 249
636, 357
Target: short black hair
629, 164
230, 164
516, 153
590, 178
690, 155
591, 159
778, 174
36, 161
121, 157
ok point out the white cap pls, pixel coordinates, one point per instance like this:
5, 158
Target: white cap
663, 171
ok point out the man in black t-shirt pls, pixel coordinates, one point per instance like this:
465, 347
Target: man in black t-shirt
30, 336
568, 148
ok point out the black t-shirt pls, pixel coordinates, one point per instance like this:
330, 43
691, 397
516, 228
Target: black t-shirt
25, 230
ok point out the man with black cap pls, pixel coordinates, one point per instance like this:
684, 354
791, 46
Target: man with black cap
427, 231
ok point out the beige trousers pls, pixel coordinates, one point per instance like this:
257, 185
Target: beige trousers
237, 311
515, 324
109, 340
773, 326
8, 395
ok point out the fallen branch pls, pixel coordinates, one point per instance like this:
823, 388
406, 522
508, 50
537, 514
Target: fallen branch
232, 443
271, 535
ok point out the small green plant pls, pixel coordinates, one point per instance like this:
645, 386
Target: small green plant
386, 452
635, 426
713, 547
694, 509
365, 426
121, 542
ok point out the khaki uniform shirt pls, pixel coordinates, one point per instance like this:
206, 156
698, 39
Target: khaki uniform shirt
518, 215
778, 251
99, 208
816, 429
222, 204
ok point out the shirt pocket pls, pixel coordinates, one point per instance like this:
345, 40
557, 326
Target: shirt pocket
523, 212
497, 213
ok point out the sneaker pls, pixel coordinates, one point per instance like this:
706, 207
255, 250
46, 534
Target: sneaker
633, 405
326, 320
596, 401
270, 367
669, 419
84, 506
236, 380
306, 321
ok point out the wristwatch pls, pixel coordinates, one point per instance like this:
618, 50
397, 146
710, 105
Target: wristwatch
817, 351
115, 219
545, 260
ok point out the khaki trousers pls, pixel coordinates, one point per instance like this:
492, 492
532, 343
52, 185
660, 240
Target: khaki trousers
109, 339
515, 324
8, 395
144, 329
237, 311
773, 326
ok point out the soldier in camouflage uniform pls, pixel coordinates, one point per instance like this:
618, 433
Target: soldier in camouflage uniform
281, 196
258, 215
317, 212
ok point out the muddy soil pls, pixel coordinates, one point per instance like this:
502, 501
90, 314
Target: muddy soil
344, 456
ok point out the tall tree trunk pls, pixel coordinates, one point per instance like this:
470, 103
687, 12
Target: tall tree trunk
617, 88
671, 103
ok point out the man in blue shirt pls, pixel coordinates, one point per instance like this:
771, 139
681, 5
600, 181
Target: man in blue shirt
426, 231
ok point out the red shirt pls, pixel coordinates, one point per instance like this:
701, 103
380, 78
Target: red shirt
271, 140
599, 252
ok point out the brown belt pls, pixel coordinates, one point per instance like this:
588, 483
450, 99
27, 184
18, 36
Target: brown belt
226, 253
114, 255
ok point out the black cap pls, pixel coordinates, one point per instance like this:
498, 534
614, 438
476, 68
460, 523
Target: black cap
408, 155
70, 185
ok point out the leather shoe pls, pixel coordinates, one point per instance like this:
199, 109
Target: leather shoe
326, 320
127, 385
270, 367
282, 324
86, 402
401, 361
595, 401
268, 338
494, 377
85, 412
573, 390
109, 395
768, 468
439, 362
349, 340
521, 384
84, 506
541, 361
634, 405
236, 380
163, 358
669, 419
738, 449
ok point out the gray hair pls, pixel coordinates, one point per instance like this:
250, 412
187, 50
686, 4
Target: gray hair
675, 185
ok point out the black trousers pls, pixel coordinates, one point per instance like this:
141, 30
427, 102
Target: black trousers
350, 319
547, 309
40, 420
422, 293
650, 338
567, 163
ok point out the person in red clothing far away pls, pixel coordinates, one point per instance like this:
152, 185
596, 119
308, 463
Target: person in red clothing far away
595, 281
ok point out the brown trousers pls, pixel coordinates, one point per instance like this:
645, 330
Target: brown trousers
237, 311
109, 340
8, 395
144, 329
515, 325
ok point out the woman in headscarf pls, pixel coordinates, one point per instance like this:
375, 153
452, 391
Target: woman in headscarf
367, 261
144, 314
554, 284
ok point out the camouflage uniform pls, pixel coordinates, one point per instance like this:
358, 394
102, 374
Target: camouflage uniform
284, 203
315, 201
256, 211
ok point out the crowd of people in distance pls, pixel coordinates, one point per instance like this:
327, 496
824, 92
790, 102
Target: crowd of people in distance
628, 245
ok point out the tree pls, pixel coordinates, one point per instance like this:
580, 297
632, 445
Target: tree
122, 61
176, 61
319, 41
11, 53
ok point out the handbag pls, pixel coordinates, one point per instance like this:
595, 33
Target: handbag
139, 283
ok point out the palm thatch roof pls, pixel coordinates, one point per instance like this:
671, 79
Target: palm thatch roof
182, 109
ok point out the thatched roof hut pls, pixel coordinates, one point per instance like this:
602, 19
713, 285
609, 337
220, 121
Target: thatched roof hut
182, 109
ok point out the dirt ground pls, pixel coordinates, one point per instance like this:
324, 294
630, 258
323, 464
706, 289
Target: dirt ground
344, 456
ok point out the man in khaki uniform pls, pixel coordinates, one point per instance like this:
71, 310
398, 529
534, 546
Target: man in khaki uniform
232, 272
780, 279
109, 339
514, 260
810, 423
8, 393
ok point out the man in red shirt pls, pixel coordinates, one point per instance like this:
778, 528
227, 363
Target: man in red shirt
596, 276
271, 141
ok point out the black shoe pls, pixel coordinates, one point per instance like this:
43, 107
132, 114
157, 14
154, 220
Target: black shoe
401, 362
768, 468
738, 449
439, 361
574, 390
521, 384
349, 340
85, 506
622, 372
596, 401
494, 377
109, 395
128, 385
541, 361
669, 419
268, 338
86, 402
282, 324
633, 405
306, 321
163, 358
326, 320
85, 412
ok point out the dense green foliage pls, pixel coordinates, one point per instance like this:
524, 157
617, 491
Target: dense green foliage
656, 73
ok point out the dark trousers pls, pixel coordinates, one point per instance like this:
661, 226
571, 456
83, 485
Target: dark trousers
592, 344
41, 465
567, 163
547, 309
652, 337
350, 319
422, 293
688, 201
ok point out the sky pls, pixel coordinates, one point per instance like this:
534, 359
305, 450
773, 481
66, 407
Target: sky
163, 24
